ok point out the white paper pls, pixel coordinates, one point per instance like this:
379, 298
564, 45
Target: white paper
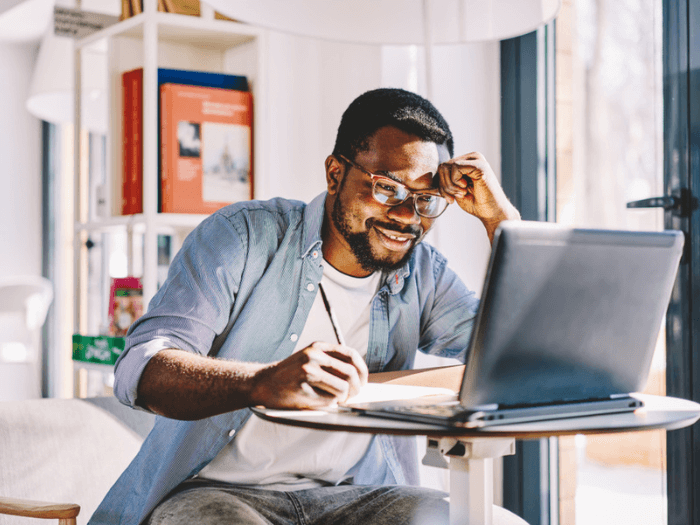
375, 392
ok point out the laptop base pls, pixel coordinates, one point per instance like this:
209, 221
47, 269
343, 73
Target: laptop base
454, 415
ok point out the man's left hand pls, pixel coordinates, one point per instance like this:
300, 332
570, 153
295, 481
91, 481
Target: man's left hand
470, 181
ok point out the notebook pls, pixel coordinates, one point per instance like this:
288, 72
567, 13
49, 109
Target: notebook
567, 326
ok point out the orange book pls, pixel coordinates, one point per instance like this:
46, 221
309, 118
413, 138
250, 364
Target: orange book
132, 144
206, 148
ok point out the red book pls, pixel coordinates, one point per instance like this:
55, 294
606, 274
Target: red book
206, 148
132, 146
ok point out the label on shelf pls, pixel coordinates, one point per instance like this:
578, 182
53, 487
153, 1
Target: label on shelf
77, 23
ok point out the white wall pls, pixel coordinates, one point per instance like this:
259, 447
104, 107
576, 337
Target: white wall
20, 165
20, 212
310, 83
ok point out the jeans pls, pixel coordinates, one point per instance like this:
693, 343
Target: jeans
209, 502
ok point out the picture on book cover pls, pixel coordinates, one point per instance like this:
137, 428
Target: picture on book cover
225, 162
188, 139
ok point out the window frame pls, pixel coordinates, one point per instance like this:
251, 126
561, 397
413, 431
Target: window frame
528, 168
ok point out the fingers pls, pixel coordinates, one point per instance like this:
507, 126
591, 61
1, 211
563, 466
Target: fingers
335, 369
457, 176
316, 376
352, 356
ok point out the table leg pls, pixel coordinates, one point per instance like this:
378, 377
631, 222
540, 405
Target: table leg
471, 491
471, 474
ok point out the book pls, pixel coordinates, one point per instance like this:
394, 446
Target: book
125, 304
182, 7
132, 124
132, 142
206, 148
126, 10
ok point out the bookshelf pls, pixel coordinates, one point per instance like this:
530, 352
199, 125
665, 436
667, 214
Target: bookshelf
150, 40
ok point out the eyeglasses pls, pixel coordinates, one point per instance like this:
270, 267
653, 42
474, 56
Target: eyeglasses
388, 192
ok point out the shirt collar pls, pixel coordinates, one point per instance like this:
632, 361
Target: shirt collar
313, 222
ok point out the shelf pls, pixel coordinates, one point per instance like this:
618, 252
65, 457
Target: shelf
181, 29
150, 40
179, 221
105, 369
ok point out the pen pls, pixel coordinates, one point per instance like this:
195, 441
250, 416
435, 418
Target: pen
331, 314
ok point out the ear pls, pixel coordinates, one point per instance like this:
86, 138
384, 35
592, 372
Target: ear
335, 171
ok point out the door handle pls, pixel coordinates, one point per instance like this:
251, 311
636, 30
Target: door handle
679, 205
667, 203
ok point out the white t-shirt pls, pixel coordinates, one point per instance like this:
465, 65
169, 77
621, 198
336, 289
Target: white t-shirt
281, 457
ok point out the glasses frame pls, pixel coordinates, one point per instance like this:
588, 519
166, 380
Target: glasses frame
410, 193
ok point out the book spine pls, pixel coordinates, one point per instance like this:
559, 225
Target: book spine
165, 184
126, 10
137, 143
127, 136
251, 153
132, 176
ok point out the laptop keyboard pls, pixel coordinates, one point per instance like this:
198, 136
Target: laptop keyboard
447, 411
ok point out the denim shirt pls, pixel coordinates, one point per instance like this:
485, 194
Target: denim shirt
241, 288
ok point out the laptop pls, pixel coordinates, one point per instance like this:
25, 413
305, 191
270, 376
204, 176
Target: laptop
566, 327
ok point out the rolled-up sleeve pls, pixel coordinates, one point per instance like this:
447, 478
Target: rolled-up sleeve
130, 367
191, 308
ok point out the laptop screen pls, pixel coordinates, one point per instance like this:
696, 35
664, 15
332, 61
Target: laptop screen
568, 314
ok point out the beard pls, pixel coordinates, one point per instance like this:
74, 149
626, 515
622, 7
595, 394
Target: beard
360, 243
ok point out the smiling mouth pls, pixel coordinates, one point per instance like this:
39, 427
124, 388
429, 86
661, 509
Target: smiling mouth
394, 240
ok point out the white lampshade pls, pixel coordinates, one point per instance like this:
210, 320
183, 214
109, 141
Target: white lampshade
51, 96
395, 21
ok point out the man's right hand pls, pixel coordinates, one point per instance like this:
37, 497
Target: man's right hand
182, 385
317, 376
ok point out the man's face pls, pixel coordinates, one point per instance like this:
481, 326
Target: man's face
364, 235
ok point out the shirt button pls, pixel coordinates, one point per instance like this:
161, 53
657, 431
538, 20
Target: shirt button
232, 432
314, 255
310, 287
294, 338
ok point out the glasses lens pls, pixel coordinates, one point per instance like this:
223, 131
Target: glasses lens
389, 192
392, 193
430, 205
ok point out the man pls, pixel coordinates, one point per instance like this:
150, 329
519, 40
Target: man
239, 322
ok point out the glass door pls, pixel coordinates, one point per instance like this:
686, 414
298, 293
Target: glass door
682, 179
609, 111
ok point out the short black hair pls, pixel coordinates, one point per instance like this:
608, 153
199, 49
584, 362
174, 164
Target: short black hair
395, 107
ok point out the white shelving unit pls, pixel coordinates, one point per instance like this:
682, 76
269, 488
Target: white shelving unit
153, 40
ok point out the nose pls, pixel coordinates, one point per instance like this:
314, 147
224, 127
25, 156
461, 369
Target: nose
405, 212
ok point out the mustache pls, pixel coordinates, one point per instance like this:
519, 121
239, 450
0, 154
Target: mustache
412, 229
